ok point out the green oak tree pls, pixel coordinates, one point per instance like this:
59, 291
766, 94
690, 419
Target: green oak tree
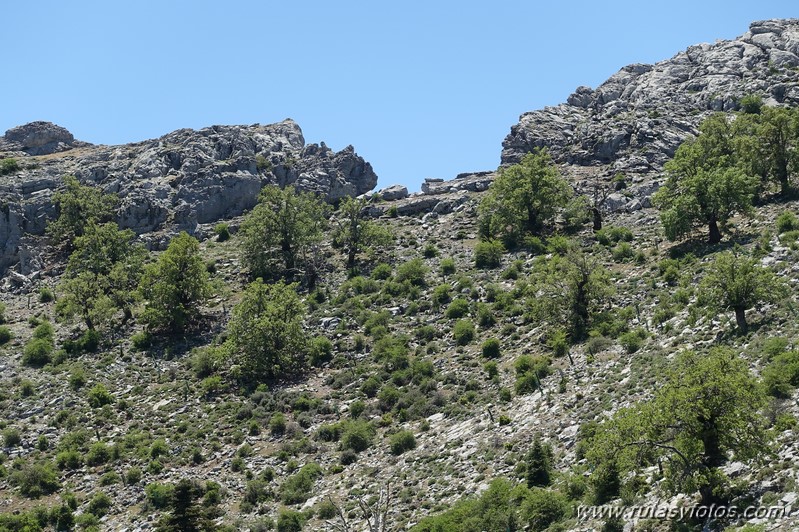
79, 206
707, 412
280, 233
523, 199
265, 333
737, 282
175, 286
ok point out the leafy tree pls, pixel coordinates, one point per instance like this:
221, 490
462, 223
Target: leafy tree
186, 515
281, 231
102, 274
523, 198
706, 412
704, 185
539, 464
175, 285
265, 331
735, 282
355, 232
78, 206
570, 291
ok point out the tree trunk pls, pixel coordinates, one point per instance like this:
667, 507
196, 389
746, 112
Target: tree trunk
715, 234
740, 318
597, 218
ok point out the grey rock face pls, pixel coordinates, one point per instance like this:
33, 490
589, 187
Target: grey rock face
393, 193
173, 183
39, 138
637, 119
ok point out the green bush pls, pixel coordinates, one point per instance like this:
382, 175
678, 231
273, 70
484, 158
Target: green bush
787, 221
463, 332
46, 294
159, 495
11, 437
457, 309
290, 520
9, 165
559, 343
371, 386
298, 487
381, 272
632, 341
447, 266
35, 480
37, 352
320, 351
356, 435
613, 235
222, 231
441, 294
402, 441
99, 453
5, 334
430, 251
488, 254
99, 504
277, 424
141, 340
491, 348
414, 272
623, 252
99, 396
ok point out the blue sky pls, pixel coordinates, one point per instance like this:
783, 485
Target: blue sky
421, 89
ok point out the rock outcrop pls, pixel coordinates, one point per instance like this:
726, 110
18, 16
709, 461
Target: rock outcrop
177, 182
635, 121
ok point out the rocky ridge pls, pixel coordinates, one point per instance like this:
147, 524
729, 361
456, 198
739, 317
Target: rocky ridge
635, 121
177, 182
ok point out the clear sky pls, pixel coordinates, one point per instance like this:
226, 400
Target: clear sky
421, 89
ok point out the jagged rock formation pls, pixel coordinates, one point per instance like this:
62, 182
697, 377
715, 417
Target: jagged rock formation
176, 182
635, 120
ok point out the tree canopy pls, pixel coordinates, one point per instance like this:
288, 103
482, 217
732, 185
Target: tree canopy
736, 282
355, 232
280, 233
102, 274
523, 199
707, 411
175, 285
265, 332
79, 206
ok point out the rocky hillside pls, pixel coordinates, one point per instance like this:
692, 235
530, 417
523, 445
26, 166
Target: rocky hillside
177, 182
634, 121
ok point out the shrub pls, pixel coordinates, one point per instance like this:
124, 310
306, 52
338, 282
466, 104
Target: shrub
488, 254
11, 437
402, 441
491, 348
133, 476
99, 396
623, 252
631, 341
787, 221
290, 520
414, 272
447, 266
35, 480
320, 351
46, 294
463, 332
44, 331
37, 352
69, 459
597, 344
441, 294
159, 495
141, 340
356, 435
5, 334
381, 272
99, 453
2, 312
297, 488
222, 231
485, 318
613, 235
9, 165
541, 508
371, 386
430, 251
559, 343
277, 424
99, 504
457, 309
